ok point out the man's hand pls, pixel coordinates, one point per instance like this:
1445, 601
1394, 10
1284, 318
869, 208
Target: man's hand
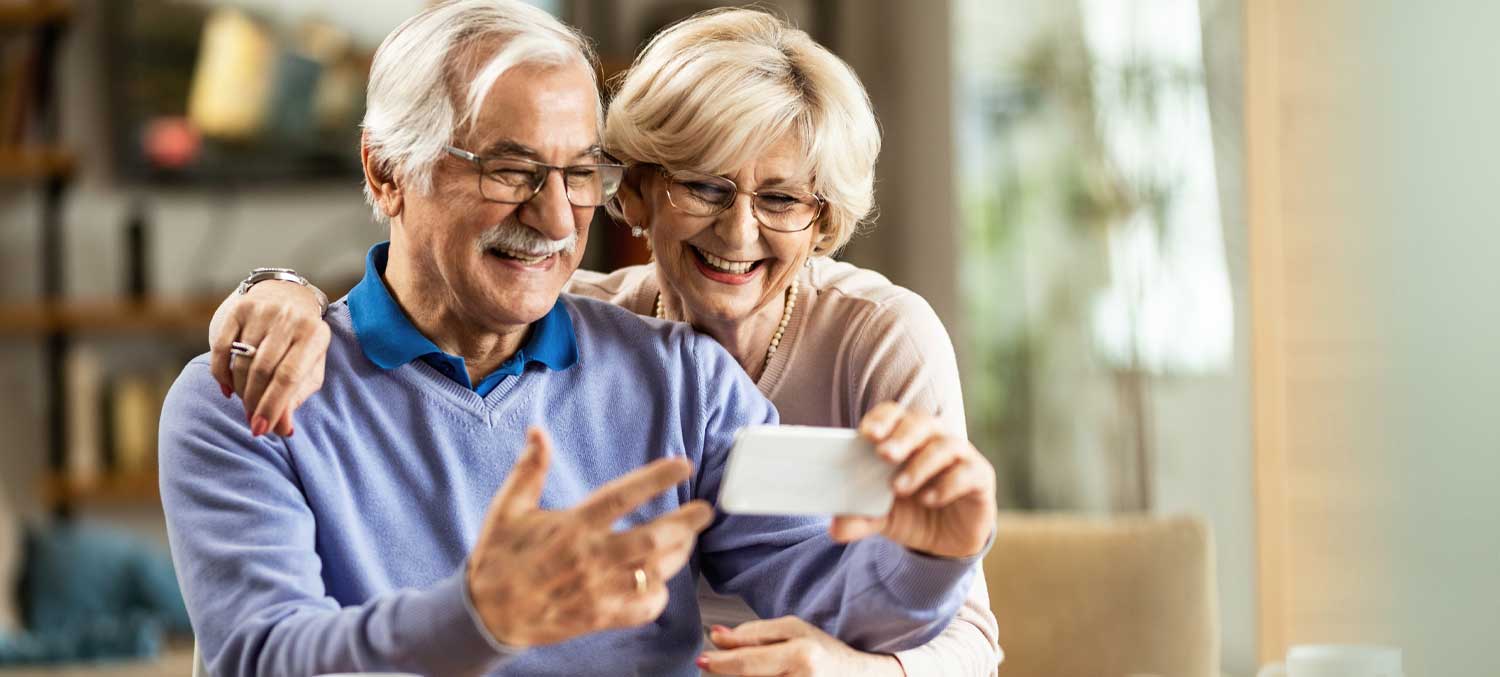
945, 490
281, 319
540, 577
789, 646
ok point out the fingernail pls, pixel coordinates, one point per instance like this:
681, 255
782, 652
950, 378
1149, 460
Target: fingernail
258, 426
290, 430
930, 498
903, 483
701, 662
718, 628
228, 391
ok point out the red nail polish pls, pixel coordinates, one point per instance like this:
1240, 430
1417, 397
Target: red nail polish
258, 426
702, 662
228, 391
718, 628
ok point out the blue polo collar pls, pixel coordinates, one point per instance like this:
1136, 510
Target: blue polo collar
389, 339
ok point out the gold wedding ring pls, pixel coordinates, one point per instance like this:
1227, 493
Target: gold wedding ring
640, 581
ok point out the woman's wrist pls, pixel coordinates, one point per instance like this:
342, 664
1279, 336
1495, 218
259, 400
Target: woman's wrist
287, 275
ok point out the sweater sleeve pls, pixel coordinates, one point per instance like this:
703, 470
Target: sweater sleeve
873, 594
243, 540
903, 354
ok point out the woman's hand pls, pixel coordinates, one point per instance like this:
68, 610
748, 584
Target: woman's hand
283, 321
789, 646
944, 488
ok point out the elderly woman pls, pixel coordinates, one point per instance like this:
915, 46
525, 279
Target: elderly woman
751, 152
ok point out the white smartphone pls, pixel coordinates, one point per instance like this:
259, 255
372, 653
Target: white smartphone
804, 470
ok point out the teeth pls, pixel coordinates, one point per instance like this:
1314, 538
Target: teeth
725, 265
525, 259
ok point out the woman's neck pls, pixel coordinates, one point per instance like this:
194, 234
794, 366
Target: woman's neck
746, 339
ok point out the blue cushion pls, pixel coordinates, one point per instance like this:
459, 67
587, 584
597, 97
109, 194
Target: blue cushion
92, 592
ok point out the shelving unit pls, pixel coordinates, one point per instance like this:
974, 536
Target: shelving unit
31, 155
36, 13
41, 160
116, 489
106, 317
19, 164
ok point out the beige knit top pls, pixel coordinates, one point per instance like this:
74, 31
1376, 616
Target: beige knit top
854, 340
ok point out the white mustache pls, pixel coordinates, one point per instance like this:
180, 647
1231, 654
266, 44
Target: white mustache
516, 238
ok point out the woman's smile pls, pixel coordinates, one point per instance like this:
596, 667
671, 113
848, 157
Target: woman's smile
727, 271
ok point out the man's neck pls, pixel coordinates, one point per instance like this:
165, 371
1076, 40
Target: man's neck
483, 348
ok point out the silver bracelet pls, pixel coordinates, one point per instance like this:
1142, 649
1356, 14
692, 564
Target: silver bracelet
285, 274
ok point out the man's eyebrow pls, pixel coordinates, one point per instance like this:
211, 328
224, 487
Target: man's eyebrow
510, 148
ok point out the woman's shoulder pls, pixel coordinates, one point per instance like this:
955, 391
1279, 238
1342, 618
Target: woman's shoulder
862, 296
624, 287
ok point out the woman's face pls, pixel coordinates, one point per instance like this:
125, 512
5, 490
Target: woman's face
727, 267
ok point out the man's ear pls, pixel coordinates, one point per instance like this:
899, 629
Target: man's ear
379, 180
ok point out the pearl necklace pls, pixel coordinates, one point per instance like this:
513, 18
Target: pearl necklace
786, 316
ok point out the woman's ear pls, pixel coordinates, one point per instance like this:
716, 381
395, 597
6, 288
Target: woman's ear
632, 204
822, 244
378, 180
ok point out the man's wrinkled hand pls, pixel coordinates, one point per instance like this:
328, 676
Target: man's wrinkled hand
539, 576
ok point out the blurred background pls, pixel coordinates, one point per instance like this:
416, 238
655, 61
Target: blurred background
1215, 269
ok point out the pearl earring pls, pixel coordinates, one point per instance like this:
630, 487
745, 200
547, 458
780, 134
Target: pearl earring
637, 231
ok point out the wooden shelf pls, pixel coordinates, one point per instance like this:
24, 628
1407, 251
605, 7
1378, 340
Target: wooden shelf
109, 316
35, 13
35, 163
128, 488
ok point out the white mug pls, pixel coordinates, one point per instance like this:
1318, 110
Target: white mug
1337, 660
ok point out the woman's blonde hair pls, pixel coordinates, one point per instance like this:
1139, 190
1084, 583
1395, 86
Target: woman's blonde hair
715, 91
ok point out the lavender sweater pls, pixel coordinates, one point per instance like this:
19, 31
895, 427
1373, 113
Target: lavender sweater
342, 548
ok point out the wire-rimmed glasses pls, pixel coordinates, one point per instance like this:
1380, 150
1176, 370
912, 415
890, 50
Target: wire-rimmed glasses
515, 180
785, 210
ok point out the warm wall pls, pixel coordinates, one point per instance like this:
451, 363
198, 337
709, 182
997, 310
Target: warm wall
1372, 151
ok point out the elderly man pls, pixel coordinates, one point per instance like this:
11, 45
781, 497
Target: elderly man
413, 521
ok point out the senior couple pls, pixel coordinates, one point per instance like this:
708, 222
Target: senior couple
487, 476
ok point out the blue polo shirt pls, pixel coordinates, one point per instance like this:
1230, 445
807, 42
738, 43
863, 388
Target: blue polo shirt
390, 340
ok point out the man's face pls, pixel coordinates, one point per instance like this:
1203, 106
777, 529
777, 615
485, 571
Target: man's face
478, 258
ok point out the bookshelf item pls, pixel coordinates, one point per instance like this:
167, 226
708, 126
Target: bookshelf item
134, 412
84, 387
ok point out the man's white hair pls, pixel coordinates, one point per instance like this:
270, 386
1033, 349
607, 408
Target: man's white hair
416, 100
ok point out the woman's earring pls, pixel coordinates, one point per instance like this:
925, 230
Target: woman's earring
637, 231
807, 263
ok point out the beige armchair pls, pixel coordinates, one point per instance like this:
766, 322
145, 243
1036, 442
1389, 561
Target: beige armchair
1104, 597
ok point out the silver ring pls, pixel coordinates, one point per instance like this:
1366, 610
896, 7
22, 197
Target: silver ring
238, 349
640, 581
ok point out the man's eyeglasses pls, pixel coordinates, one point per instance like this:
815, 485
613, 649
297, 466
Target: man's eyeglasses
781, 209
514, 181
